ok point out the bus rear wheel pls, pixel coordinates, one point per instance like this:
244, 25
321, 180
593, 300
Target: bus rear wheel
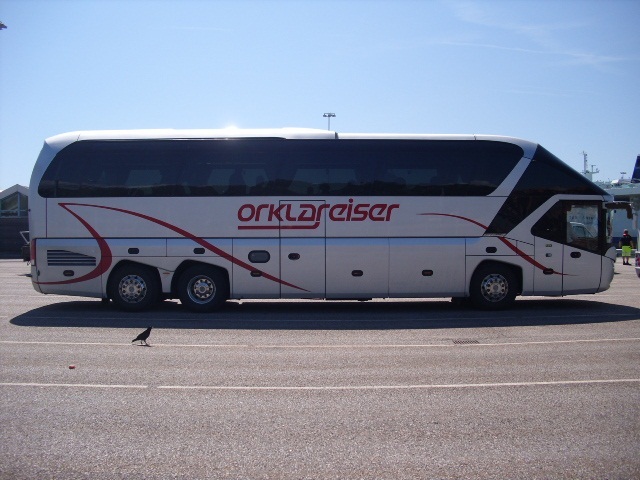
134, 288
493, 287
202, 288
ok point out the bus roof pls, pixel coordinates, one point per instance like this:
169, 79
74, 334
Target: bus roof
168, 133
62, 140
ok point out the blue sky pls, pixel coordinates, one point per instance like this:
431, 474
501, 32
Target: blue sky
565, 74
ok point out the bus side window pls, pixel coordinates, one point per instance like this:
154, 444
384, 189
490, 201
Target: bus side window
445, 180
255, 178
217, 181
140, 182
342, 181
552, 225
237, 184
390, 184
309, 180
195, 179
582, 221
571, 223
260, 186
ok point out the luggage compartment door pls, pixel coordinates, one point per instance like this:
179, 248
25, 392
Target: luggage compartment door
303, 249
426, 267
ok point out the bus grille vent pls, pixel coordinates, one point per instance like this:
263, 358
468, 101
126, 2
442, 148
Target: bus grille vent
466, 342
64, 258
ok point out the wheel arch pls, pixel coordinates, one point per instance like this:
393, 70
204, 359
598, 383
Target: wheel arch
191, 263
124, 263
515, 269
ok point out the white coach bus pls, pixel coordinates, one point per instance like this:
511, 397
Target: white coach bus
210, 215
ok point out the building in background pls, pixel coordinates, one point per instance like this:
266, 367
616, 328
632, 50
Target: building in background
14, 218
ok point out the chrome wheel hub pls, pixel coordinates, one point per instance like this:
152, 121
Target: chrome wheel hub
132, 288
494, 288
201, 289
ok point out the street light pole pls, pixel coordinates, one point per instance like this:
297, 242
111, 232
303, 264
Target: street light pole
328, 117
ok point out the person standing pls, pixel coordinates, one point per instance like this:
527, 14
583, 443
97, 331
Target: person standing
626, 244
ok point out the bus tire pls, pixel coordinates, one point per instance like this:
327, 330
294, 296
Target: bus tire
203, 288
493, 287
134, 287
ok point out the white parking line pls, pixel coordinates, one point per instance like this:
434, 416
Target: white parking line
399, 387
18, 342
106, 344
329, 346
78, 385
327, 387
448, 345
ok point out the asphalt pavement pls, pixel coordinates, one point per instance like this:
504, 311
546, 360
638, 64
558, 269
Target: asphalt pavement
314, 389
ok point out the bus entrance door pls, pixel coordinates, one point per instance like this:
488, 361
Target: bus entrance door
547, 277
302, 248
582, 262
566, 249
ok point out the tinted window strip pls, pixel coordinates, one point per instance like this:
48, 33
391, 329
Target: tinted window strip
165, 168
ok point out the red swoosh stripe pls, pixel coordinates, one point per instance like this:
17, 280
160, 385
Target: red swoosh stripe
519, 252
105, 254
104, 248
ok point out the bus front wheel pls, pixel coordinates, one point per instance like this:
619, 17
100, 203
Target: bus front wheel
493, 287
202, 288
134, 288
